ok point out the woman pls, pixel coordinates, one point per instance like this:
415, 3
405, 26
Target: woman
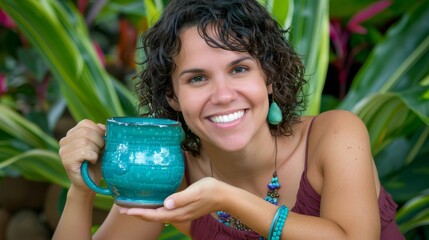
226, 71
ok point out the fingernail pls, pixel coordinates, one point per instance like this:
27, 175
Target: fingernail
169, 203
123, 210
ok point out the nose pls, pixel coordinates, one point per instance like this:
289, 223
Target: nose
223, 91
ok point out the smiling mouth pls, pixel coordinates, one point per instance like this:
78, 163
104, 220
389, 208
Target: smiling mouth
227, 118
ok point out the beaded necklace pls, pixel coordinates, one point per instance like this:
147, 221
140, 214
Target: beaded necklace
271, 197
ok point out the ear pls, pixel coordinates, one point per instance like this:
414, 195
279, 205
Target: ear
270, 89
173, 103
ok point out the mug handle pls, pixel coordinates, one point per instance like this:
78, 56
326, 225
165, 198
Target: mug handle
87, 179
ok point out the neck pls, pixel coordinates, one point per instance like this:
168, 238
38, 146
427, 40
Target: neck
255, 163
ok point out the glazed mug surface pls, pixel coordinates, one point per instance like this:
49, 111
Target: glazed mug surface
142, 162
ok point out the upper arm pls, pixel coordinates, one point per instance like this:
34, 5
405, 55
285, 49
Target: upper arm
348, 195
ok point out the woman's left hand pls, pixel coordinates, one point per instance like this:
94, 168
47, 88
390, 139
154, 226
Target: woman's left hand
199, 199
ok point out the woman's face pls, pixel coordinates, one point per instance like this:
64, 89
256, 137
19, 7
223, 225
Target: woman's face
221, 94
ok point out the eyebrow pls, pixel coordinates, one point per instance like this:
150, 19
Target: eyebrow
198, 70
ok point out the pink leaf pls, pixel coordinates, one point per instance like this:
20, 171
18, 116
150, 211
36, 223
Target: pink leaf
3, 85
99, 53
339, 38
354, 24
6, 21
82, 5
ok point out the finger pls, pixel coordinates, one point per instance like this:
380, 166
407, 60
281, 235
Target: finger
80, 149
75, 158
102, 126
164, 215
123, 210
153, 215
87, 124
82, 136
82, 123
180, 199
161, 215
191, 194
169, 203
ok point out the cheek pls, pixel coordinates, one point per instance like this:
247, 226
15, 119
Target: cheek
260, 92
190, 122
191, 100
190, 107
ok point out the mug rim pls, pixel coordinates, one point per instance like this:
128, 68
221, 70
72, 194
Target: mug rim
143, 121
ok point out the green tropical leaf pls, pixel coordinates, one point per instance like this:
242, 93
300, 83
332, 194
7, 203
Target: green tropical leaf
401, 152
414, 213
308, 24
309, 34
280, 10
417, 99
22, 129
86, 86
388, 115
410, 181
405, 67
153, 11
8, 149
39, 165
171, 233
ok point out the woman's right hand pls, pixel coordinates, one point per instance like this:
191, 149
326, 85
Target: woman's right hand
82, 142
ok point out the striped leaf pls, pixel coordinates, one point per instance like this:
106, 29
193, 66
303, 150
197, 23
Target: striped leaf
399, 62
39, 165
414, 213
23, 130
88, 89
309, 34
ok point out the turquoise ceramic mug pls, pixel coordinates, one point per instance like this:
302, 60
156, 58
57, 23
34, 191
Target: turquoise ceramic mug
142, 161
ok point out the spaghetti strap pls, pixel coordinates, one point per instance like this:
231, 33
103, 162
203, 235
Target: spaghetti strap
306, 143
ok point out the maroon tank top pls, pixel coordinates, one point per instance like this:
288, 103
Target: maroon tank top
307, 203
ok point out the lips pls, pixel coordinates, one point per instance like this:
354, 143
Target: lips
227, 118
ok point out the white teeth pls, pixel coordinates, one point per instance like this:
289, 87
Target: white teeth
227, 118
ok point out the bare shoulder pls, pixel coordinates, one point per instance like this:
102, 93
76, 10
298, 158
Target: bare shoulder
339, 135
335, 119
342, 170
339, 125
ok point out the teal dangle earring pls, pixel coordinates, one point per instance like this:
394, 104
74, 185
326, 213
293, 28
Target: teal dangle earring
275, 115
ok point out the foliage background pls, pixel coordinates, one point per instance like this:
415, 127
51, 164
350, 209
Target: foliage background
77, 59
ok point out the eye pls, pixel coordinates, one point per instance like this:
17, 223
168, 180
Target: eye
239, 70
196, 79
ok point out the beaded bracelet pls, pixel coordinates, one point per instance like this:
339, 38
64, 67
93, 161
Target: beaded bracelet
278, 223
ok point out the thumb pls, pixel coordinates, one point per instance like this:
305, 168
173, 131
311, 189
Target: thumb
178, 199
193, 193
169, 203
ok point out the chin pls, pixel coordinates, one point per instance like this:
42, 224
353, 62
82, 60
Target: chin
231, 145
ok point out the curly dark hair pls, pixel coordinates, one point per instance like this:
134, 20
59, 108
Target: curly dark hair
240, 25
